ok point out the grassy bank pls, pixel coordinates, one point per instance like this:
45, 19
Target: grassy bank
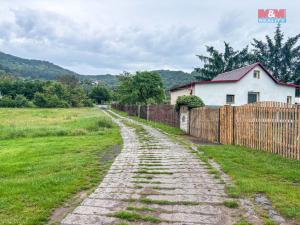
161, 126
48, 155
255, 171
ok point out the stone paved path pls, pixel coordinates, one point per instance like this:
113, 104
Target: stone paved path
159, 180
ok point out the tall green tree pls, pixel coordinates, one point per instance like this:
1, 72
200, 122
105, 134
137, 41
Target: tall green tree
100, 94
143, 87
219, 62
282, 58
70, 80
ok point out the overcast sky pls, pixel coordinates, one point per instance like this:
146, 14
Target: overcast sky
111, 36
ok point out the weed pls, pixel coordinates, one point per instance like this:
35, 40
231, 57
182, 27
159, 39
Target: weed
152, 172
243, 222
231, 204
165, 202
133, 216
142, 209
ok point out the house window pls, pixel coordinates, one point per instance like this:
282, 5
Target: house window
289, 100
229, 99
256, 74
253, 97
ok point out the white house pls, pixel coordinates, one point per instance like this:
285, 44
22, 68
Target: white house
248, 84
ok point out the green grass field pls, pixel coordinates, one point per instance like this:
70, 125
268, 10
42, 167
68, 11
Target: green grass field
256, 171
49, 155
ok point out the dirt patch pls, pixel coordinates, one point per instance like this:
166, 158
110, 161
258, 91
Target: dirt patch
111, 153
59, 213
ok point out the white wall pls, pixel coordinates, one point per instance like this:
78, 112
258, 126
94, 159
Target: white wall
177, 93
215, 93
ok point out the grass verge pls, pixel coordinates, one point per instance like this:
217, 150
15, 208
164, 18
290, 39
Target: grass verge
256, 171
48, 155
166, 128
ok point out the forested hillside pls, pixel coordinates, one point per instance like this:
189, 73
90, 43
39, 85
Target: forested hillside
37, 69
30, 68
173, 78
170, 78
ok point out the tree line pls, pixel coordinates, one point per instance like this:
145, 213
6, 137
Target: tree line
281, 57
67, 91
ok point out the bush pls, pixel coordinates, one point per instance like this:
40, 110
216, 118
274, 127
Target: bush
20, 101
88, 103
49, 101
191, 101
101, 94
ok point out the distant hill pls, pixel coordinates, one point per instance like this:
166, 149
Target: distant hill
170, 78
38, 69
31, 68
173, 78
111, 80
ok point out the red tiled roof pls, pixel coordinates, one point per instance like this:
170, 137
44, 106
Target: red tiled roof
234, 76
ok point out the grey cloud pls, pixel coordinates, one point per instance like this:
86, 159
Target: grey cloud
134, 35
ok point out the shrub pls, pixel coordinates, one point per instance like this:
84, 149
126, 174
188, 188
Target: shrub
100, 94
191, 101
88, 102
6, 101
19, 101
49, 101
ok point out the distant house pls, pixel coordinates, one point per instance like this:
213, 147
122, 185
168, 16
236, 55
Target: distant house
248, 84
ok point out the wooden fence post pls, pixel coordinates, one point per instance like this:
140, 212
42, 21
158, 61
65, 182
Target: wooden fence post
189, 123
147, 112
233, 125
219, 126
139, 111
298, 137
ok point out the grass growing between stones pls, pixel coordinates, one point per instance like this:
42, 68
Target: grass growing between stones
48, 155
165, 202
243, 222
150, 164
143, 177
146, 182
256, 171
152, 172
134, 216
231, 204
163, 188
138, 186
141, 209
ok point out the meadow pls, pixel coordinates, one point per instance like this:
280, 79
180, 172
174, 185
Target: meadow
49, 155
255, 171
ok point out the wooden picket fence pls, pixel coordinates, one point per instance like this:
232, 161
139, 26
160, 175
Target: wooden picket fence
164, 114
269, 126
272, 127
204, 124
160, 113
